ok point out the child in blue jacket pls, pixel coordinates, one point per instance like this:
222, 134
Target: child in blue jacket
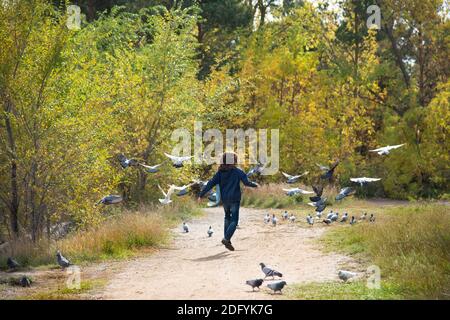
228, 177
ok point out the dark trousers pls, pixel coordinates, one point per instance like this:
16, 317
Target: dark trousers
231, 218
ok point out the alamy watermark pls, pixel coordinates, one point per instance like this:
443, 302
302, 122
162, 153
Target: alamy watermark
236, 140
374, 20
74, 17
374, 278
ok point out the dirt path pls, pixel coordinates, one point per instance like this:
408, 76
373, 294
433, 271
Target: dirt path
198, 267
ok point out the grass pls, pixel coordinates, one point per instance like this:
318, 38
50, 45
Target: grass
410, 244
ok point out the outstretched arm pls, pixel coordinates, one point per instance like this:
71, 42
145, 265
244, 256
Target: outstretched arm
211, 183
245, 180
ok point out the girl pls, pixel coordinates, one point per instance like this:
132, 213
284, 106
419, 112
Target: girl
228, 177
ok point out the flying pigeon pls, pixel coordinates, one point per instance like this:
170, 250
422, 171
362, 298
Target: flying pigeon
327, 221
334, 217
322, 167
167, 195
62, 261
345, 275
255, 283
111, 199
318, 191
318, 203
353, 221
329, 173
292, 218
285, 215
214, 198
12, 264
386, 150
269, 272
185, 227
274, 221
25, 282
321, 207
267, 218
210, 231
178, 161
344, 217
294, 191
293, 179
310, 220
125, 162
345, 192
364, 180
256, 170
364, 216
184, 190
372, 218
277, 286
151, 169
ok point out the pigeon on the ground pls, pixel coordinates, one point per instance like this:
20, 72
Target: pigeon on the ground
310, 220
277, 286
151, 169
274, 220
334, 217
267, 218
293, 179
294, 191
318, 191
185, 227
125, 162
62, 261
178, 161
329, 173
344, 217
292, 218
255, 283
345, 192
364, 180
327, 221
372, 218
12, 264
25, 282
330, 214
269, 272
353, 221
319, 215
285, 215
210, 231
364, 216
346, 275
111, 199
386, 150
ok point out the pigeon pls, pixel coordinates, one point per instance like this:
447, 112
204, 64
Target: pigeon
319, 203
322, 167
150, 169
285, 215
178, 161
310, 220
330, 214
292, 218
214, 198
125, 162
267, 218
386, 150
12, 264
344, 217
210, 231
256, 170
334, 217
295, 191
319, 214
25, 282
277, 286
269, 272
327, 221
274, 221
372, 218
185, 227
329, 173
318, 191
345, 275
345, 192
184, 190
364, 216
364, 180
167, 195
353, 221
293, 179
62, 261
321, 207
111, 199
255, 283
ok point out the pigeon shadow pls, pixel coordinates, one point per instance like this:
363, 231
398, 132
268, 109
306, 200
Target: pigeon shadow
211, 258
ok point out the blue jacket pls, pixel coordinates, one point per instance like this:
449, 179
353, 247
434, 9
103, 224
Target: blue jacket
229, 182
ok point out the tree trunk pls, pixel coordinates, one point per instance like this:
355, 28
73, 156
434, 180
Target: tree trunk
91, 10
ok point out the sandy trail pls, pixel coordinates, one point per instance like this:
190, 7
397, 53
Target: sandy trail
198, 267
